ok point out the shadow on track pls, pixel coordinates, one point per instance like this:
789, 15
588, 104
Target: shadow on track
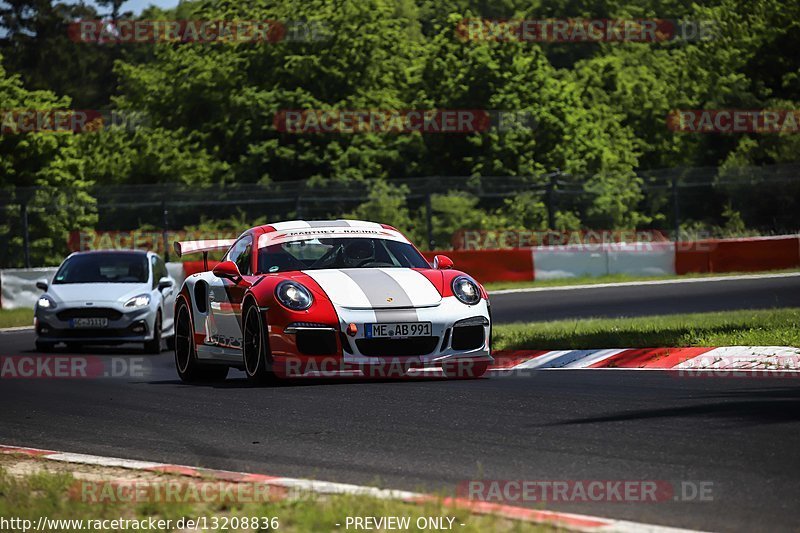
240, 383
95, 349
755, 406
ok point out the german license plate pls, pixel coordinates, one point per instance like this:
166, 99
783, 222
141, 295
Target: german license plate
397, 330
89, 323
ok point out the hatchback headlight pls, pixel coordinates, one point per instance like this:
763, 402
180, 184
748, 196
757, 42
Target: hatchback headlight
45, 302
293, 295
466, 290
143, 300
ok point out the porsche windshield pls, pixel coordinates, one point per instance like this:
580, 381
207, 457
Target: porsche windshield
319, 254
103, 268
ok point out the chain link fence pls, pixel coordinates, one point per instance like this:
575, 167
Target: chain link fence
36, 221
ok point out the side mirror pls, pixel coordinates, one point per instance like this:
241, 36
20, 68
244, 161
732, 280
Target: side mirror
42, 285
442, 262
165, 283
227, 270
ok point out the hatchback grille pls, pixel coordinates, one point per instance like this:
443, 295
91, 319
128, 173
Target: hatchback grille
397, 347
89, 312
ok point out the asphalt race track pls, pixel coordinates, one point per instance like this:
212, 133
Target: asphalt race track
646, 299
741, 434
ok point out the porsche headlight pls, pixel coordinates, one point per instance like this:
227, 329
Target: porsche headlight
45, 302
466, 290
294, 296
143, 300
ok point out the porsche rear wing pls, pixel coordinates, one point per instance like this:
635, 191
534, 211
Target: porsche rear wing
196, 247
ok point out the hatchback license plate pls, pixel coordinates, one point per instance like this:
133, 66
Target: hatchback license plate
89, 322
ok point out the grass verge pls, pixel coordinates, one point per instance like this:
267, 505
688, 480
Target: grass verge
32, 488
10, 318
612, 278
778, 327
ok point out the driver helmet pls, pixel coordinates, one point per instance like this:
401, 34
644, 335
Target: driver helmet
358, 252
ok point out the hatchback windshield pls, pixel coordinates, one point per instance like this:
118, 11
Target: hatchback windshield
318, 254
103, 268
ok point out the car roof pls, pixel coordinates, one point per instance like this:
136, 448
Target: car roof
305, 224
113, 251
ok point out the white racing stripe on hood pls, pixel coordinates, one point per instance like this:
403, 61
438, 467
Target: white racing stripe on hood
418, 287
376, 288
340, 288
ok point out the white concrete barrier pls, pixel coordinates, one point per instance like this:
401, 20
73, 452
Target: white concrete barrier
643, 259
176, 271
553, 262
18, 286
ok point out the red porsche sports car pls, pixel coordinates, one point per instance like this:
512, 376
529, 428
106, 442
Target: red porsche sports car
324, 298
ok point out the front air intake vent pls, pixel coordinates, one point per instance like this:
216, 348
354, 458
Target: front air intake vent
468, 337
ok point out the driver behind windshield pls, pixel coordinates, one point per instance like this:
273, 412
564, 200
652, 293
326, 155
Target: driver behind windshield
335, 253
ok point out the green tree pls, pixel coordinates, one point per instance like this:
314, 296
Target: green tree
44, 171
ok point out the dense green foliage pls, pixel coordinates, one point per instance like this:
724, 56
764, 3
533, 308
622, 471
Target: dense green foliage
600, 111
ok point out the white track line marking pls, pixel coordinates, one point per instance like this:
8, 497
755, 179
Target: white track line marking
84, 459
646, 283
16, 329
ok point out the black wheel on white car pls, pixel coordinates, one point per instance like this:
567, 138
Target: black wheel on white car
255, 348
190, 370
154, 345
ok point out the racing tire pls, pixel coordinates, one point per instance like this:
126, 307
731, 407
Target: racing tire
190, 370
465, 369
255, 349
153, 346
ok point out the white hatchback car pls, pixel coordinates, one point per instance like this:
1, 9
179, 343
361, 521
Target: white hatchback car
107, 297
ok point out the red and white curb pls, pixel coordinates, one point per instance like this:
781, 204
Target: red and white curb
729, 358
571, 521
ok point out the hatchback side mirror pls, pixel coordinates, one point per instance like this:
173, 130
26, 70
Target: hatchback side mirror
42, 285
442, 262
165, 283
